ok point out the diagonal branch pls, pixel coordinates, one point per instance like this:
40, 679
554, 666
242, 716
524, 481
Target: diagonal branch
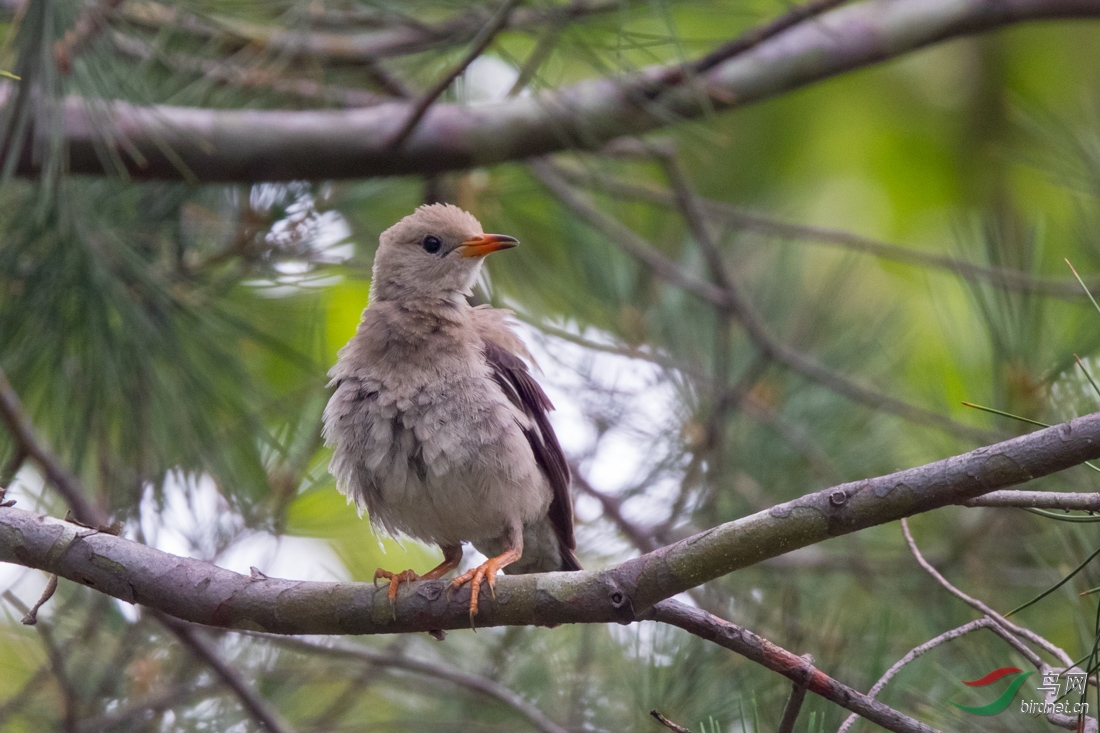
982, 623
256, 706
979, 605
28, 443
480, 43
730, 299
788, 664
750, 221
251, 145
198, 591
481, 685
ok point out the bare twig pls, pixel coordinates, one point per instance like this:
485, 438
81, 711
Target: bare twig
1069, 501
982, 623
27, 441
672, 726
978, 605
30, 618
480, 43
88, 26
256, 706
794, 703
480, 685
755, 222
225, 72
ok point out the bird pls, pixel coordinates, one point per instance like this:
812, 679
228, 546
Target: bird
438, 430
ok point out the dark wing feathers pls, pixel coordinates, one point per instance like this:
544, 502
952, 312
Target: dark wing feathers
510, 372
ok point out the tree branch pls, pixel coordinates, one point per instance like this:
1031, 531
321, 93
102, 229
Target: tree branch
478, 46
1068, 501
225, 72
397, 36
28, 443
198, 591
982, 623
979, 605
751, 221
260, 709
252, 145
791, 666
481, 685
730, 300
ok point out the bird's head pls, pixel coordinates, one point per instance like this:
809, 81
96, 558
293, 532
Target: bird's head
433, 254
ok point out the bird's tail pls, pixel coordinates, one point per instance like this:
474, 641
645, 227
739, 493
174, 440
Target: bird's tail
569, 560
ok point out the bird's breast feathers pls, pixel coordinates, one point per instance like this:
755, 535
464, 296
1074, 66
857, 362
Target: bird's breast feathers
433, 447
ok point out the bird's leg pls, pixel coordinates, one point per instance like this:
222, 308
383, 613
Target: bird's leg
488, 571
452, 556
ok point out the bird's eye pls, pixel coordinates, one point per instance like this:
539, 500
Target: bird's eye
431, 244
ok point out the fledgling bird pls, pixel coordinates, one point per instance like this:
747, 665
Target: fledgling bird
438, 430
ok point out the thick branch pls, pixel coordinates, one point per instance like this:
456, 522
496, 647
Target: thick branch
200, 592
249, 145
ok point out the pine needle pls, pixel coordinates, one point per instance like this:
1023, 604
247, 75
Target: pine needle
1083, 286
1056, 586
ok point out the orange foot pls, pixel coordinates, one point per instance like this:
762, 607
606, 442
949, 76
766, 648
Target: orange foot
486, 571
452, 556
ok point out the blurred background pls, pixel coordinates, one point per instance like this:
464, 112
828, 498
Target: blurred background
897, 233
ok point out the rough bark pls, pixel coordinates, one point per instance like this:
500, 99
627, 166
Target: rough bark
198, 591
261, 145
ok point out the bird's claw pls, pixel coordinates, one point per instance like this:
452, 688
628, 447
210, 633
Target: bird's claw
396, 579
487, 571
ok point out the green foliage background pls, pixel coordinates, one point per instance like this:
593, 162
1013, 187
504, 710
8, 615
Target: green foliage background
166, 334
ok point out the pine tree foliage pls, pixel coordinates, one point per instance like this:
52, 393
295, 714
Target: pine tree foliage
896, 236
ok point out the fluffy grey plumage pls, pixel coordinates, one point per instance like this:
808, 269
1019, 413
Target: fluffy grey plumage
438, 430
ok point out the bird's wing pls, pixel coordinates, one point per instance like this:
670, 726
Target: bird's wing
510, 372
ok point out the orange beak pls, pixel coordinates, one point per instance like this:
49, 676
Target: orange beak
486, 244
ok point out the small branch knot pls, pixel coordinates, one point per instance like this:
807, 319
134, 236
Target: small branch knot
620, 601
